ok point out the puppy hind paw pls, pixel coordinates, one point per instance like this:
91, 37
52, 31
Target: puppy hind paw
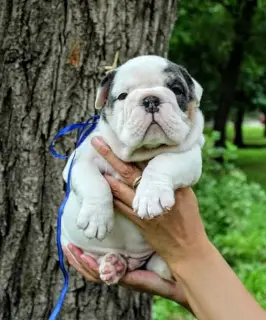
159, 266
112, 268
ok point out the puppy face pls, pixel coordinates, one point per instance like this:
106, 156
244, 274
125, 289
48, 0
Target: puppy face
148, 103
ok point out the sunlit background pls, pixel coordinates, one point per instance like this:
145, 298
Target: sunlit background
222, 43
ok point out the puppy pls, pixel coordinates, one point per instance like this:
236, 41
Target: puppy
149, 114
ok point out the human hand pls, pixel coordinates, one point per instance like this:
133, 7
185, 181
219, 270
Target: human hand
139, 280
176, 235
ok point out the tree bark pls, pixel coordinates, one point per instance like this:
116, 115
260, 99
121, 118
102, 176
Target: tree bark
238, 139
52, 55
243, 22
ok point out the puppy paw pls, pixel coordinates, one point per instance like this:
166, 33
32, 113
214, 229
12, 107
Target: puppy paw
159, 266
96, 219
153, 198
112, 268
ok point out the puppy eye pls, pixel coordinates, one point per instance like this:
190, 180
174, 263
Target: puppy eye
122, 96
177, 91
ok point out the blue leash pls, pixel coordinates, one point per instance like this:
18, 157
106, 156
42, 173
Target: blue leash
84, 129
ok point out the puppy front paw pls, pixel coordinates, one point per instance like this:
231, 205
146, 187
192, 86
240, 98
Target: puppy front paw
153, 198
96, 219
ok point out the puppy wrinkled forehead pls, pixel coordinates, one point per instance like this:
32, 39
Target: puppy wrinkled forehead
144, 71
177, 72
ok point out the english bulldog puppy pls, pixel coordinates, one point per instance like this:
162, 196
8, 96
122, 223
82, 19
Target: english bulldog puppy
149, 114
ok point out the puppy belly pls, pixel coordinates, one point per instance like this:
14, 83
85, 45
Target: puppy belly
124, 238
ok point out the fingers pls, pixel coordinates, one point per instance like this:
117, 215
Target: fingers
186, 201
120, 190
84, 264
128, 212
127, 171
71, 260
87, 262
90, 266
185, 193
149, 282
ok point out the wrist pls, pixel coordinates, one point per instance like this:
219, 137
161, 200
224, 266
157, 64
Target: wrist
193, 254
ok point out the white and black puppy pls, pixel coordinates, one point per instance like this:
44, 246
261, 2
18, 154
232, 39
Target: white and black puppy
149, 113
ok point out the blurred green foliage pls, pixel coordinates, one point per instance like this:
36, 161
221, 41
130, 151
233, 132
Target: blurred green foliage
233, 210
252, 135
224, 192
232, 205
252, 160
202, 41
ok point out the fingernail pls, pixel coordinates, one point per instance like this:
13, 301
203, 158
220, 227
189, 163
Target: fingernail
100, 145
108, 178
84, 258
70, 247
87, 260
74, 249
98, 138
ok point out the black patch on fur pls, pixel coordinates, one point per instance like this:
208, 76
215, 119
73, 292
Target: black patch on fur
103, 114
179, 77
107, 82
109, 104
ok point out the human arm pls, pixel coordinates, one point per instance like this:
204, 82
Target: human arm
211, 288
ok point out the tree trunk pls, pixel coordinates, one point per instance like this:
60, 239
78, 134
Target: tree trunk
244, 12
238, 140
52, 55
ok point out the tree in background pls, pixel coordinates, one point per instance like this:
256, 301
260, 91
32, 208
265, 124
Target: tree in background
52, 56
242, 12
209, 36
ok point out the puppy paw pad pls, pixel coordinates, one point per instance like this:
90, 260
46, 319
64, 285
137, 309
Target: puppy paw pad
112, 268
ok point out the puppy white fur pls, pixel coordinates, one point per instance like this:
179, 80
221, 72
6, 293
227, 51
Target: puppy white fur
149, 113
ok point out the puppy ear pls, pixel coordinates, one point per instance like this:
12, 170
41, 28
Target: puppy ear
198, 90
103, 90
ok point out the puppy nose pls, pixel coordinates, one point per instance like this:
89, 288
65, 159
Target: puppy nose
151, 104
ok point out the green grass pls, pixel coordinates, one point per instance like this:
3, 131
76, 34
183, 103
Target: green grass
253, 163
252, 135
168, 310
252, 160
